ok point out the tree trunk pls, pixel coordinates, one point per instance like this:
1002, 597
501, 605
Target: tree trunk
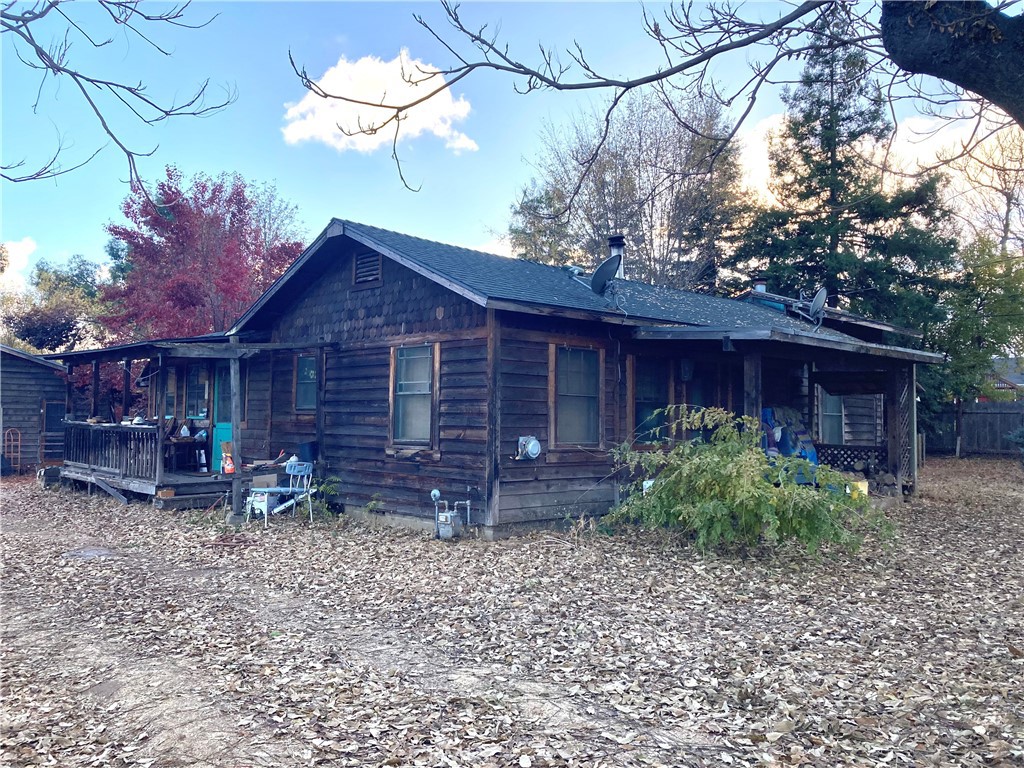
969, 44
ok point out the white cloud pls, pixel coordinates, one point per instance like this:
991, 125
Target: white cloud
373, 80
754, 155
15, 277
500, 246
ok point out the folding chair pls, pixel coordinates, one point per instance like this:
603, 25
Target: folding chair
300, 487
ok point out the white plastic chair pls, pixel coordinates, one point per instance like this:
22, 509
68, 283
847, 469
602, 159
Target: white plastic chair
300, 487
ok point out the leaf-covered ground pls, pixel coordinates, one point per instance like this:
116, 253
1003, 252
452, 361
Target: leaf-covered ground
138, 637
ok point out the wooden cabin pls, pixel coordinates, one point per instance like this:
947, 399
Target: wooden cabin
32, 405
417, 365
412, 365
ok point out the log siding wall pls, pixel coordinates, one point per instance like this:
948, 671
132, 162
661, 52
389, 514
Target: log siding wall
26, 386
562, 482
354, 328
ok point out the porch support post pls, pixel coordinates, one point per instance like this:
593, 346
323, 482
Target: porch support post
914, 458
236, 436
161, 422
892, 420
69, 389
752, 385
126, 388
94, 408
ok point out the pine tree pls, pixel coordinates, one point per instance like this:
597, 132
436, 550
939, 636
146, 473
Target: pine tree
875, 250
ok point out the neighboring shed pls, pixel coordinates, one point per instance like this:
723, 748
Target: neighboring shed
32, 404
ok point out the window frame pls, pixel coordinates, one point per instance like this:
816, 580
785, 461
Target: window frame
822, 395
632, 370
398, 446
305, 410
204, 414
554, 444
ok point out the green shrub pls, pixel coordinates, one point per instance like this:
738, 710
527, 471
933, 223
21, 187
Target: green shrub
1017, 438
721, 487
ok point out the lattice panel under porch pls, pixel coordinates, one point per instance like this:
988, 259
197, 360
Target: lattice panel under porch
845, 456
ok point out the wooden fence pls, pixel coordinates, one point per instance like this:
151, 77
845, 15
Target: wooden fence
984, 431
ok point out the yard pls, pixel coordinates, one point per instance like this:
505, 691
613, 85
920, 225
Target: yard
137, 637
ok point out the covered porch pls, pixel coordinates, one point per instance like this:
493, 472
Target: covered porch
158, 431
855, 400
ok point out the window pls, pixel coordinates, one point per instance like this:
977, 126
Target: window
650, 394
305, 382
413, 403
366, 269
197, 392
830, 409
222, 391
171, 395
577, 404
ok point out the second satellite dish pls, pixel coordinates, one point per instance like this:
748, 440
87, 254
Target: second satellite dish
604, 274
815, 310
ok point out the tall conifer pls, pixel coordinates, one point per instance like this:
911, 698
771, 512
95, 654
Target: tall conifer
876, 250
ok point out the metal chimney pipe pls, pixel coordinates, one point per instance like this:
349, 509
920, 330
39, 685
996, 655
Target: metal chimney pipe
617, 247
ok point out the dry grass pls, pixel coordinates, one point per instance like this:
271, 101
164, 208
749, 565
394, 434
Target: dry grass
135, 637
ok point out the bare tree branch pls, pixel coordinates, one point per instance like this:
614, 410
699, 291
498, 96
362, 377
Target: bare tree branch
692, 37
103, 96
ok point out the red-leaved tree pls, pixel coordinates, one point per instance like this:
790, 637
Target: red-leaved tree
196, 255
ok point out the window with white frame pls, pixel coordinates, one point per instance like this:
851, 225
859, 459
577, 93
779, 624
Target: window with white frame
412, 418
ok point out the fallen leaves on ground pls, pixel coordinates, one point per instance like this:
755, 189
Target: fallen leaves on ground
135, 637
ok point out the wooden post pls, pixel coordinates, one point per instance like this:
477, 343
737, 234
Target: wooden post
161, 422
892, 420
912, 428
491, 483
94, 408
752, 385
236, 436
321, 390
69, 394
126, 388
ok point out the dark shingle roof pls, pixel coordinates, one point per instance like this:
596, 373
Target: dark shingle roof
498, 278
1011, 369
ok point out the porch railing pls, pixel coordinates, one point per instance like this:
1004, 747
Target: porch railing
127, 451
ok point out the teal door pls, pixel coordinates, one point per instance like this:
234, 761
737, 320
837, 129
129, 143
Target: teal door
221, 413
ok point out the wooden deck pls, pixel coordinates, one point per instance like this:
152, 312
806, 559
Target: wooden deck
123, 458
183, 483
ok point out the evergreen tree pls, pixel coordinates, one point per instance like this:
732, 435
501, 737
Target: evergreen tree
835, 224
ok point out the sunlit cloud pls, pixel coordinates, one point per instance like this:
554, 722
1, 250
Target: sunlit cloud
754, 155
15, 277
374, 80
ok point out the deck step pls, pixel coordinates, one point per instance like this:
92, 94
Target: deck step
189, 501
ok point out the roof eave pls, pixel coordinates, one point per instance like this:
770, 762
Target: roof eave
38, 359
789, 337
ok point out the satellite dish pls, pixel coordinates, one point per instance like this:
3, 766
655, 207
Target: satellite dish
815, 311
818, 304
604, 274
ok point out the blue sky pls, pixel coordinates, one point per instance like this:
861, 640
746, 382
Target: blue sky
467, 182
470, 160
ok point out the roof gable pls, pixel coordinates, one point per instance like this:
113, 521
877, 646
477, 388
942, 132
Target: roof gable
519, 285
